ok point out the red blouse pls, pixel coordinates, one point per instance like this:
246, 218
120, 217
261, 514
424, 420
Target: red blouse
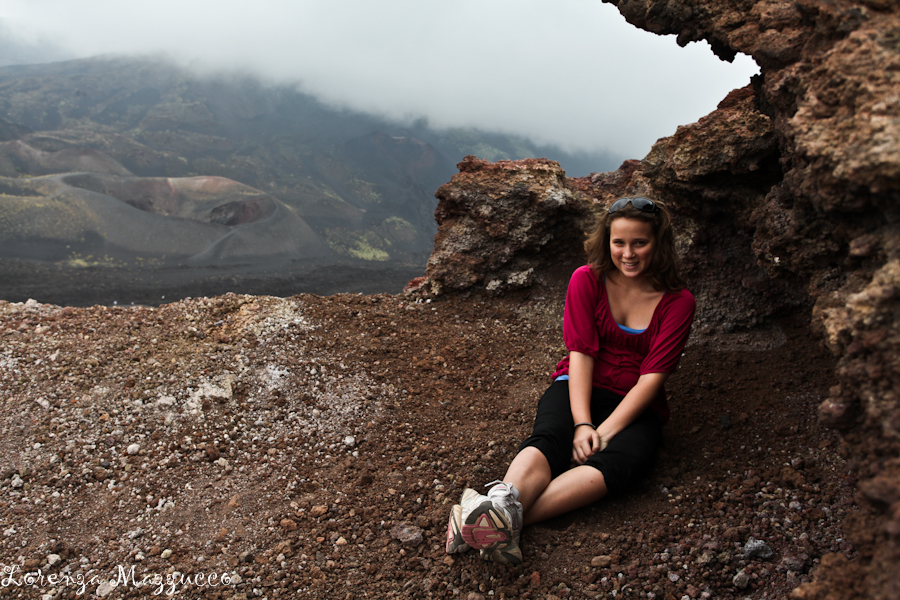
620, 358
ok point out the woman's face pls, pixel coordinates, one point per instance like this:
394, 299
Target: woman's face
631, 245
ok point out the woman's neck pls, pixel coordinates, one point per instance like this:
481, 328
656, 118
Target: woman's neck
641, 283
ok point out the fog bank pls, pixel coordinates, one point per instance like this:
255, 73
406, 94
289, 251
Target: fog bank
573, 74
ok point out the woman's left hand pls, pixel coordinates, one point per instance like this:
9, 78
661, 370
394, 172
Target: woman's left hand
585, 444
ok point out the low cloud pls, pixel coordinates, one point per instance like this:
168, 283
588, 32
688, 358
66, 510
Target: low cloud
573, 73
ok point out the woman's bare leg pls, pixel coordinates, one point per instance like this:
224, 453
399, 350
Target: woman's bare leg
544, 498
530, 473
573, 489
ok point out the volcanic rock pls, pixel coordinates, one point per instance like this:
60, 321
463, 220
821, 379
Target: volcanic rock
786, 198
501, 225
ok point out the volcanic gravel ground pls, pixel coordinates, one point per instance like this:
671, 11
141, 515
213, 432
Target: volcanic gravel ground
312, 447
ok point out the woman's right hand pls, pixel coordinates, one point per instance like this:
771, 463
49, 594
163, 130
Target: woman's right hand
585, 444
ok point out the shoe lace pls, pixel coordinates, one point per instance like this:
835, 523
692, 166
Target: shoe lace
506, 496
501, 489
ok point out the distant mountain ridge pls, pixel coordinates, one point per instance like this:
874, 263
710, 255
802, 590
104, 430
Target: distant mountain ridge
357, 186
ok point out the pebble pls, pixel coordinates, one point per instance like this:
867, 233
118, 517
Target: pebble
133, 449
212, 452
795, 563
407, 534
755, 548
106, 588
601, 561
288, 525
741, 580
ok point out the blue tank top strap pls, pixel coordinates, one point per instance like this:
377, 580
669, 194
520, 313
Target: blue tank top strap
630, 330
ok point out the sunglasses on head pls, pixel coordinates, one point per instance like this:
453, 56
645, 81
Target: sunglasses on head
639, 202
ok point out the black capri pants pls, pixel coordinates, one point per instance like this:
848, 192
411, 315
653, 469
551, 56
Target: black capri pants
624, 462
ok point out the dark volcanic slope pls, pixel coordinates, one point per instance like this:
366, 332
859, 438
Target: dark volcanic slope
108, 219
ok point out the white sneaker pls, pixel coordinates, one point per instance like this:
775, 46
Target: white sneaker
455, 542
493, 523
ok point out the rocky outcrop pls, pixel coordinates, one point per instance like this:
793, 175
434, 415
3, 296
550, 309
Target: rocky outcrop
786, 198
827, 225
503, 226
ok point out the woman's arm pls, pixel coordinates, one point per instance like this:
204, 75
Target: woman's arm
581, 375
632, 405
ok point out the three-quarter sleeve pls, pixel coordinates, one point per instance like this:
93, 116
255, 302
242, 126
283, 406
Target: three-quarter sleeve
580, 316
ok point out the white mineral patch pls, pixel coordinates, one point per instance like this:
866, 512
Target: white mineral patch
555, 196
520, 278
274, 376
218, 388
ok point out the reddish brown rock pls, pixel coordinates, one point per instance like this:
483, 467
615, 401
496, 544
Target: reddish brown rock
785, 197
820, 137
288, 524
501, 225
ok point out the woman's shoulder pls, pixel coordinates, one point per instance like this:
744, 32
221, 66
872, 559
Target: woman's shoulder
585, 271
682, 295
681, 299
584, 276
584, 288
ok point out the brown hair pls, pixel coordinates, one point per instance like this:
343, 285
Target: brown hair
664, 267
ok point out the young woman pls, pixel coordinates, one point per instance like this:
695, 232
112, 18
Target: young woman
627, 318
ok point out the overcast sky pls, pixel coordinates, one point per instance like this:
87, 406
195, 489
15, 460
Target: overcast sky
569, 72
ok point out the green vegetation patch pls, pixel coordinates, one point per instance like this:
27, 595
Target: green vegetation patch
365, 245
399, 230
40, 217
79, 261
364, 191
